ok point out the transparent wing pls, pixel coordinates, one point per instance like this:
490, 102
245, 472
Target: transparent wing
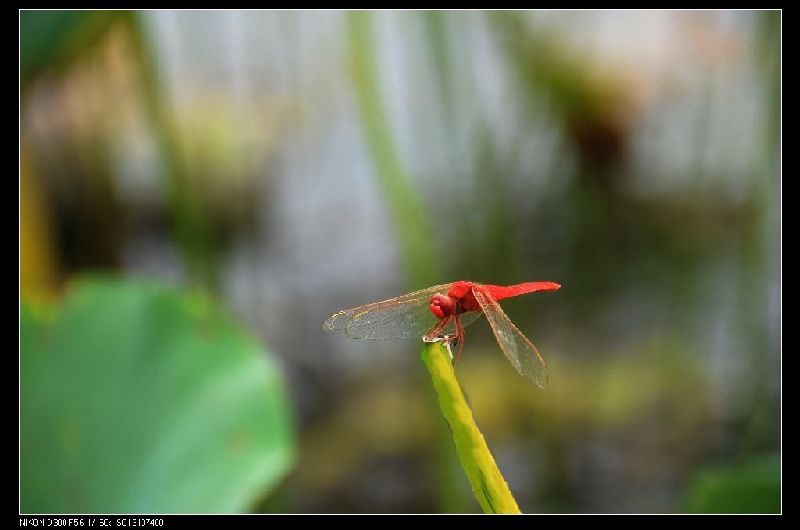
404, 317
523, 355
470, 317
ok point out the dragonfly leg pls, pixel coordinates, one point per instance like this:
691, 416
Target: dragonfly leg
432, 334
459, 338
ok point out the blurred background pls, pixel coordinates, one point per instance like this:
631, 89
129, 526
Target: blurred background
283, 165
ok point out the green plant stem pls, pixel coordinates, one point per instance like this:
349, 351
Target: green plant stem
488, 484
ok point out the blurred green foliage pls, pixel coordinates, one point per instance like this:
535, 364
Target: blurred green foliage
411, 219
751, 486
136, 399
52, 37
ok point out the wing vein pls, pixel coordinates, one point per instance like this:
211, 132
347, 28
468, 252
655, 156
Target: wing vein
519, 350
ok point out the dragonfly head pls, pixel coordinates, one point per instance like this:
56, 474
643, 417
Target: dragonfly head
442, 305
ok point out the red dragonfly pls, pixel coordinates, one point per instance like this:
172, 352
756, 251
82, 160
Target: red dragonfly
431, 312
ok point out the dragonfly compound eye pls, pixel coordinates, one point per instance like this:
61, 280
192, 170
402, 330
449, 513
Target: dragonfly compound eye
441, 306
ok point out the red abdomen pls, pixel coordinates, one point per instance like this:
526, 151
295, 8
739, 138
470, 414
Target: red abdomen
461, 292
